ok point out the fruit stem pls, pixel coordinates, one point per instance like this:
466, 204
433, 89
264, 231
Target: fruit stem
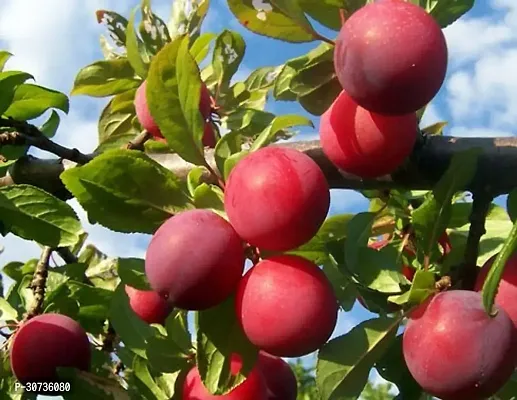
138, 142
220, 180
323, 38
342, 16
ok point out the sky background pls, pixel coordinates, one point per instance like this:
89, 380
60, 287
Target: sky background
53, 39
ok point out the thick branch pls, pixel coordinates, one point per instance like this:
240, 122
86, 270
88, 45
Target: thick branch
430, 159
39, 283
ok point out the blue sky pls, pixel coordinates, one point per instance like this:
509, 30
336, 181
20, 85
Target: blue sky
54, 38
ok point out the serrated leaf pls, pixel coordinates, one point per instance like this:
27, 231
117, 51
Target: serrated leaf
173, 93
105, 78
116, 25
164, 355
344, 363
132, 330
267, 19
33, 214
127, 191
446, 12
30, 101
132, 273
4, 57
9, 81
281, 122
219, 335
431, 218
50, 126
133, 46
228, 53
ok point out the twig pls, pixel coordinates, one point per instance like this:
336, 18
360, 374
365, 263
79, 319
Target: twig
38, 284
108, 343
342, 16
138, 142
30, 135
482, 201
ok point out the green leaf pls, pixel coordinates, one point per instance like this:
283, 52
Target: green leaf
267, 19
105, 78
116, 25
392, 367
210, 197
379, 269
7, 312
178, 331
343, 287
344, 363
432, 217
33, 214
496, 270
422, 287
164, 355
153, 30
173, 93
132, 273
445, 12
325, 12
201, 46
94, 302
133, 46
232, 161
219, 335
30, 101
187, 17
9, 81
231, 143
141, 372
49, 127
228, 53
87, 385
359, 230
4, 57
319, 100
132, 330
127, 191
511, 204
262, 78
281, 122
435, 129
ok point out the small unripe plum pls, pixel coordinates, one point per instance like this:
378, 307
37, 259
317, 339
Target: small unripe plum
286, 306
195, 260
209, 139
253, 388
391, 57
47, 342
363, 143
148, 305
506, 297
280, 379
277, 198
145, 118
455, 350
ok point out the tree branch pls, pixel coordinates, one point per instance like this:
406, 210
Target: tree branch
38, 284
28, 134
430, 159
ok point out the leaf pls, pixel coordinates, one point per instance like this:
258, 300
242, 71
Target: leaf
228, 54
324, 12
127, 191
9, 81
153, 29
173, 93
164, 355
319, 100
87, 385
262, 78
178, 331
359, 230
496, 270
180, 23
201, 46
4, 57
116, 25
281, 122
49, 127
7, 312
266, 19
344, 363
435, 129
132, 273
33, 214
210, 197
445, 12
94, 302
105, 78
141, 372
431, 218
219, 335
30, 101
392, 367
132, 330
133, 46
422, 286
378, 269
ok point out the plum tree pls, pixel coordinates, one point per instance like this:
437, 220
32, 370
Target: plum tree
437, 335
279, 376
506, 296
45, 343
303, 293
195, 260
252, 388
391, 57
148, 305
279, 185
352, 137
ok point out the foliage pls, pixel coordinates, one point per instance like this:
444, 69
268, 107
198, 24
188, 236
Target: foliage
131, 191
